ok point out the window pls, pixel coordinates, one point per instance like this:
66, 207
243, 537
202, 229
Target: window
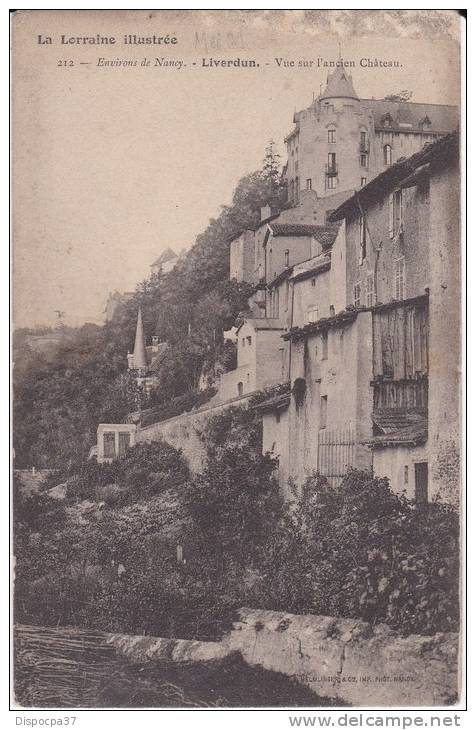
312, 313
243, 341
387, 154
363, 181
363, 160
297, 189
275, 303
331, 136
395, 221
240, 388
325, 345
332, 311
331, 183
109, 443
370, 291
362, 239
291, 188
124, 443
313, 282
405, 474
421, 483
249, 339
323, 413
363, 141
278, 416
400, 278
331, 162
309, 184
357, 294
286, 257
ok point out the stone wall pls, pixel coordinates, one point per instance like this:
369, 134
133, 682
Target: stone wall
350, 660
345, 659
185, 431
445, 396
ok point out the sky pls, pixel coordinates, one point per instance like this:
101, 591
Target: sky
111, 165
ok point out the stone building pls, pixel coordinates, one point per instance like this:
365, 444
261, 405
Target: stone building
370, 321
403, 263
341, 142
144, 362
165, 262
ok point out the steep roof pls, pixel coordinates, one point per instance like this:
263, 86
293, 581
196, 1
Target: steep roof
339, 85
326, 235
312, 266
444, 150
408, 116
389, 420
413, 435
165, 256
140, 356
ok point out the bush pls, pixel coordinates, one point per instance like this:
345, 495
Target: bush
145, 470
364, 552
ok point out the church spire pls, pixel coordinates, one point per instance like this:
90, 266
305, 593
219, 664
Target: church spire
140, 357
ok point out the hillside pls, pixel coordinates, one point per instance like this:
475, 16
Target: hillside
61, 396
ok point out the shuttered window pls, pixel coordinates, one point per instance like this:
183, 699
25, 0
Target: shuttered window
400, 342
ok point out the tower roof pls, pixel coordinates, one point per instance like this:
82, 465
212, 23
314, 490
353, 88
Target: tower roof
339, 85
140, 357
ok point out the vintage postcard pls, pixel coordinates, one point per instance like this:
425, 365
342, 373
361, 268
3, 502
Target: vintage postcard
237, 463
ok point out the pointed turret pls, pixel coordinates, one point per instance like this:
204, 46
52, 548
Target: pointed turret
140, 357
339, 85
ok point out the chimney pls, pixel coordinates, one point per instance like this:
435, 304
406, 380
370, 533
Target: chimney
265, 212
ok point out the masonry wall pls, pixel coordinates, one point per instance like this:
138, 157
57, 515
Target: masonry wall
398, 464
413, 247
445, 335
344, 378
184, 432
310, 147
350, 660
242, 257
300, 248
346, 659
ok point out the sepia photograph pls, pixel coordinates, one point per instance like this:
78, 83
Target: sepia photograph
236, 346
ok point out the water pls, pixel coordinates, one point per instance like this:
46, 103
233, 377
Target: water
70, 667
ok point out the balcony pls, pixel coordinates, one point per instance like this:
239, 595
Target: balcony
331, 170
408, 393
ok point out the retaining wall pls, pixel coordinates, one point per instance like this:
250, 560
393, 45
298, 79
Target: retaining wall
345, 659
350, 660
185, 431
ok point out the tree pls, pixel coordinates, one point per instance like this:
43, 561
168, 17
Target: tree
271, 164
403, 95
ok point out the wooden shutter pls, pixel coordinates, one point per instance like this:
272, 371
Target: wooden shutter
391, 216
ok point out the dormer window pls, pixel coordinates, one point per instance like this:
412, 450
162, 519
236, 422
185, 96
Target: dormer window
425, 122
386, 120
